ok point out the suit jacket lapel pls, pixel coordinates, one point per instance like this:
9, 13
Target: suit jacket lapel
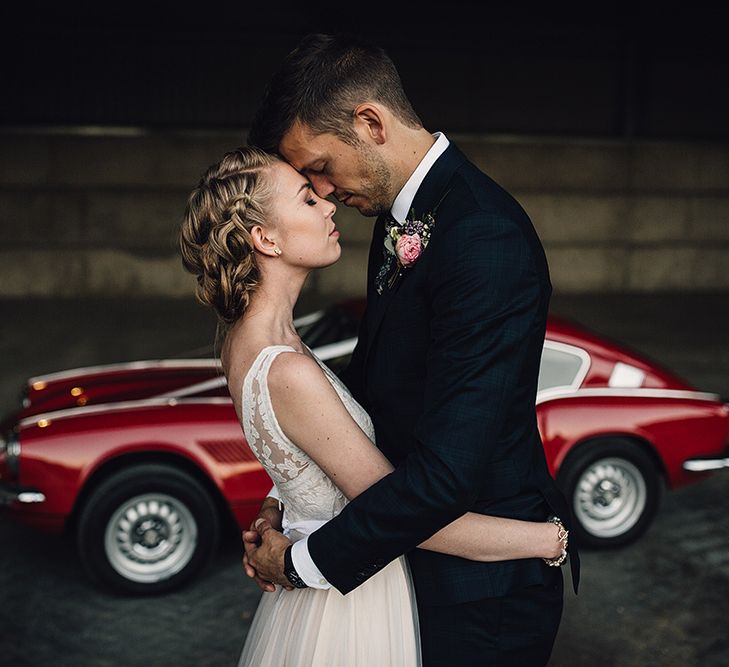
429, 194
435, 184
376, 303
378, 312
375, 260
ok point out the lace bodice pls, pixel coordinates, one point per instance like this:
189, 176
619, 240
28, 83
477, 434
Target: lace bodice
306, 492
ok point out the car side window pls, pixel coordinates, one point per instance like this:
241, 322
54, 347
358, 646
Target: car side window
561, 367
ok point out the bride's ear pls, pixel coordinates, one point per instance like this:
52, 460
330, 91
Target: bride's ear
263, 241
370, 119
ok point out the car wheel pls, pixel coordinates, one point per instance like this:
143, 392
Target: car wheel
147, 529
614, 489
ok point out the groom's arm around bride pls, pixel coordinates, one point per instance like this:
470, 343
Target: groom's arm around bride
447, 366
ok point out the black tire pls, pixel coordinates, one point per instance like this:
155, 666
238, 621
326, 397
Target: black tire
147, 529
614, 490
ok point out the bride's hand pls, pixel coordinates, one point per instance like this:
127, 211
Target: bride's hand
271, 510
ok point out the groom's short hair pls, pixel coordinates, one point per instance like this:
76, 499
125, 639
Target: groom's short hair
320, 84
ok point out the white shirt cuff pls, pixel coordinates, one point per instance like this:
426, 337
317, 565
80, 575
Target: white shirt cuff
273, 493
305, 567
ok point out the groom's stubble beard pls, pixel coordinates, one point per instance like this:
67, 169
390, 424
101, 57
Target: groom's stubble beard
377, 183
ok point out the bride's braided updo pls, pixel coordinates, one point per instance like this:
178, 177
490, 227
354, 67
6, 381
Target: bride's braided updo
231, 197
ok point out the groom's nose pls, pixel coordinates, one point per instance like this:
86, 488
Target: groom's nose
322, 185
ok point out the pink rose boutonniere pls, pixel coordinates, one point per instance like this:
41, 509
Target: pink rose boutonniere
404, 243
408, 249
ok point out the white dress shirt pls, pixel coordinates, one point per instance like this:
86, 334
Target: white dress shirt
404, 200
300, 556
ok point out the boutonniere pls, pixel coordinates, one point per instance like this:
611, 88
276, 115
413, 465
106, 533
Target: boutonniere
404, 243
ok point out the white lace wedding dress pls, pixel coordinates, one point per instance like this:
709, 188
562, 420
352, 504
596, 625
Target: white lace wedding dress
373, 626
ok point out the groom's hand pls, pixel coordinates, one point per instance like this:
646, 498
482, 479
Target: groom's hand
271, 512
267, 558
251, 540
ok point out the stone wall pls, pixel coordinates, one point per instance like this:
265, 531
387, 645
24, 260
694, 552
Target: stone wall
95, 212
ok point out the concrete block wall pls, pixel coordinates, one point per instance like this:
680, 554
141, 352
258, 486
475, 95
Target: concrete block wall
94, 213
621, 216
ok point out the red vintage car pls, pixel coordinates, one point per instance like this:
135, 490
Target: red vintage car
146, 462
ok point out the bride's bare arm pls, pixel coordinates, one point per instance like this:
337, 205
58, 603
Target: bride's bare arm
312, 415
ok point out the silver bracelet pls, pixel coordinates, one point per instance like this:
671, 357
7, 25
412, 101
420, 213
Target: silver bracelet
562, 537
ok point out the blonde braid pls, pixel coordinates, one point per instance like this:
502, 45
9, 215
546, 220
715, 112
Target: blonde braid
215, 241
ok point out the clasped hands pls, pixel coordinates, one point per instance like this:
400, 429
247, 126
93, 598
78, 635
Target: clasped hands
264, 546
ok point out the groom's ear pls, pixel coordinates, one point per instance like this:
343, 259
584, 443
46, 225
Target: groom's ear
370, 120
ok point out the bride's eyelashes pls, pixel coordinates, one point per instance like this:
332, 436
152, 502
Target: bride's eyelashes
309, 194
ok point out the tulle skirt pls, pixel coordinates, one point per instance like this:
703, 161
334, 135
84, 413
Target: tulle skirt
376, 625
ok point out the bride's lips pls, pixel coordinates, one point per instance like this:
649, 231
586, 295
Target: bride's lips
334, 232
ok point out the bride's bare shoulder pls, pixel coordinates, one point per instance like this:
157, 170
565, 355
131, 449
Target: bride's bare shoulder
293, 368
294, 375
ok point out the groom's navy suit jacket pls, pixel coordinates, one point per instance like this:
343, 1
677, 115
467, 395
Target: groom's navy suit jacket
446, 365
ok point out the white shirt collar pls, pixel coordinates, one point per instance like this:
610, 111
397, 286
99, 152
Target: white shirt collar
404, 199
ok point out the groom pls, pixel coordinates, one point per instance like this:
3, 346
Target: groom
446, 363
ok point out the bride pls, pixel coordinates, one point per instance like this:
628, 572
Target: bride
253, 231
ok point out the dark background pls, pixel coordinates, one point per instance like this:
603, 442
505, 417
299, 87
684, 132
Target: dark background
596, 69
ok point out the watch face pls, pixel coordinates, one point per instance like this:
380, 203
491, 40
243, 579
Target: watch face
294, 578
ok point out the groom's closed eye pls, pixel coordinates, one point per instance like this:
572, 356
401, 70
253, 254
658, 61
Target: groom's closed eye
319, 168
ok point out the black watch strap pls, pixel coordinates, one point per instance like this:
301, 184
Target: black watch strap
290, 571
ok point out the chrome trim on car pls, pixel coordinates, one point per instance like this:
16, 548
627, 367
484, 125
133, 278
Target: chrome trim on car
324, 352
124, 405
702, 465
334, 350
309, 319
130, 365
197, 388
678, 394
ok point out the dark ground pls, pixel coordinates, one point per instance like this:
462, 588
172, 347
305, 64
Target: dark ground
661, 601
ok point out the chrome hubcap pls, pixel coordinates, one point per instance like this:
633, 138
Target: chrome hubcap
150, 538
610, 497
